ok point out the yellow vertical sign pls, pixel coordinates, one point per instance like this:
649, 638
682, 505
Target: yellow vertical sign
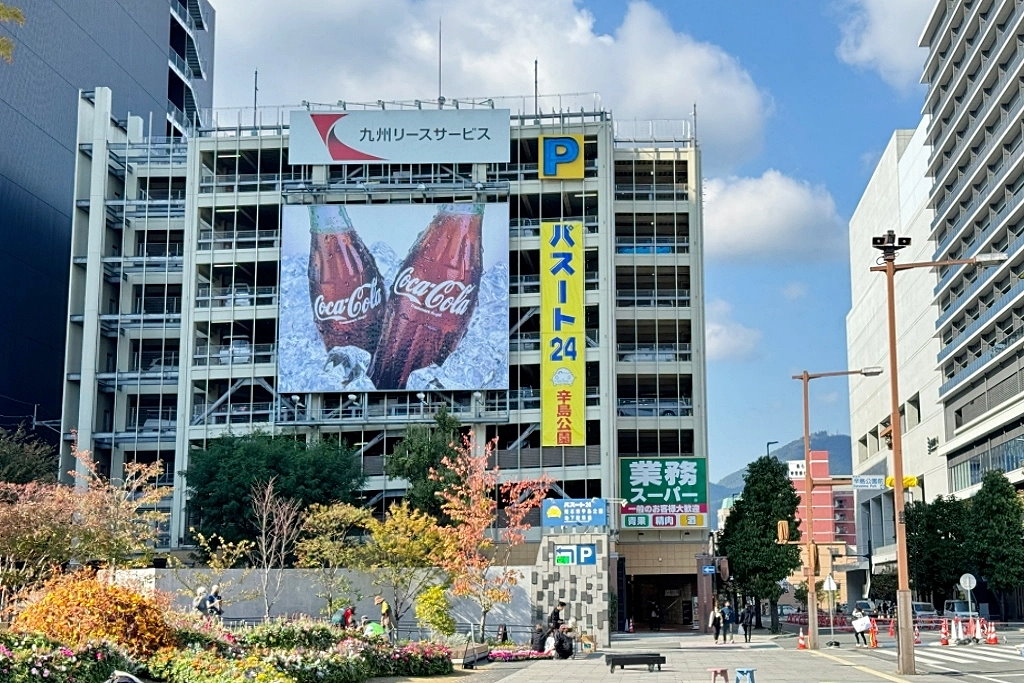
563, 392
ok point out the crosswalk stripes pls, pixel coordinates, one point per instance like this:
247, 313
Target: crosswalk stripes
961, 655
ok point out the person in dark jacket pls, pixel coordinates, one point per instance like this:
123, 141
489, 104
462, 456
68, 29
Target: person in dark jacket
563, 644
540, 634
747, 620
555, 618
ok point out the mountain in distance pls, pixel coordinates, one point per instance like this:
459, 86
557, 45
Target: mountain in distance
840, 461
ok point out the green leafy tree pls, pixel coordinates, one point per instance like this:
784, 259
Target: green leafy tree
800, 593
330, 541
996, 544
937, 534
757, 562
420, 453
884, 585
24, 458
13, 15
221, 478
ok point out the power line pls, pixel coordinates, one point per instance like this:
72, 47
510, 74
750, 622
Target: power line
18, 400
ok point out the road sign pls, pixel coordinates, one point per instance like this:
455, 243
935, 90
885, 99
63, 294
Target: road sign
578, 554
869, 481
708, 569
968, 582
830, 584
575, 512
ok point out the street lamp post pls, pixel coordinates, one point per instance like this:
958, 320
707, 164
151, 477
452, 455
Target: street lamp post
768, 447
889, 244
812, 596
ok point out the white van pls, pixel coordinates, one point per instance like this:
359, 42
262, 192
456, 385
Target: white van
959, 608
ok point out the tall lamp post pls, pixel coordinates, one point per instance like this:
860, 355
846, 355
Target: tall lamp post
768, 447
812, 595
889, 244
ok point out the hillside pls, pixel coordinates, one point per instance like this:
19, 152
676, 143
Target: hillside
840, 461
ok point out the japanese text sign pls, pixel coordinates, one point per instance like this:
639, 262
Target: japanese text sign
563, 401
579, 554
663, 492
561, 157
401, 136
575, 512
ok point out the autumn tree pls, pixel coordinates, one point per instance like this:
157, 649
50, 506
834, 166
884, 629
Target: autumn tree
478, 562
937, 551
24, 458
221, 478
330, 538
756, 561
996, 544
278, 525
12, 15
403, 554
37, 533
419, 454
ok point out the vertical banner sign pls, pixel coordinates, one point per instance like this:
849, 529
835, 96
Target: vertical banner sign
562, 364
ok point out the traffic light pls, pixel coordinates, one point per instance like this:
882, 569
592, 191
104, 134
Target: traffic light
782, 532
908, 482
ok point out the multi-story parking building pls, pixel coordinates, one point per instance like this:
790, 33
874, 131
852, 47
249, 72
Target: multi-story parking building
158, 56
184, 269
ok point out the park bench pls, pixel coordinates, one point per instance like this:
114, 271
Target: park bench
651, 659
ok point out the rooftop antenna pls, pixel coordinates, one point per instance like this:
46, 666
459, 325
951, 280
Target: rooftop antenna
255, 90
695, 123
440, 97
536, 97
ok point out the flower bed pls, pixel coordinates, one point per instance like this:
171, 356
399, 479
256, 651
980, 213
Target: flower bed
280, 652
517, 655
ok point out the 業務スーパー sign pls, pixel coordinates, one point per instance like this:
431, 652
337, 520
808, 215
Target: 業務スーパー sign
663, 493
398, 136
574, 512
563, 399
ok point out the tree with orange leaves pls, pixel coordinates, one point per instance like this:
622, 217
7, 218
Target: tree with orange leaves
478, 561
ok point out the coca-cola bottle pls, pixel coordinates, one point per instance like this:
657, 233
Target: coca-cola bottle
433, 296
346, 290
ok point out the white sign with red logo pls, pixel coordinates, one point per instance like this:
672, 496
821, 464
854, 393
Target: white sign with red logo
399, 136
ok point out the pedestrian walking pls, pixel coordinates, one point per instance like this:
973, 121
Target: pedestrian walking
715, 621
748, 619
728, 623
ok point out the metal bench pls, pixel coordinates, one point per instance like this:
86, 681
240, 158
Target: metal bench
651, 659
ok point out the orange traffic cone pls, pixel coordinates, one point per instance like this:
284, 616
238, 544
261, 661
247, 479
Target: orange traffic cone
629, 626
917, 635
801, 643
944, 633
873, 634
991, 638
892, 628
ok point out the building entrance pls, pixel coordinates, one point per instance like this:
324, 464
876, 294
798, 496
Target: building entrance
662, 601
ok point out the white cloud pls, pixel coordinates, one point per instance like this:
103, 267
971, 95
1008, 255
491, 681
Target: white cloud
365, 50
882, 35
773, 216
794, 291
724, 337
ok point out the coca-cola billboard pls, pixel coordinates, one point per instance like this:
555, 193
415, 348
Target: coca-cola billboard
393, 297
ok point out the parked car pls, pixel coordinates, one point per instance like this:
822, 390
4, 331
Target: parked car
786, 610
924, 610
647, 407
959, 608
867, 607
235, 349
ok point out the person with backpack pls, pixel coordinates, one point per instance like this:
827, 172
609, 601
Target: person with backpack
214, 603
199, 602
728, 621
748, 619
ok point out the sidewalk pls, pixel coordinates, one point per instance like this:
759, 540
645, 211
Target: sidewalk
688, 656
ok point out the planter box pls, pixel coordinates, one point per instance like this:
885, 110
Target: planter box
468, 655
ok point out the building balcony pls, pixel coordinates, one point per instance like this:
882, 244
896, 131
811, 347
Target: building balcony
658, 192
235, 354
248, 182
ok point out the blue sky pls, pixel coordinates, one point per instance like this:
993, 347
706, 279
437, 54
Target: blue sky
796, 100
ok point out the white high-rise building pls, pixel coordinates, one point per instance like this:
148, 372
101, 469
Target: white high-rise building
184, 270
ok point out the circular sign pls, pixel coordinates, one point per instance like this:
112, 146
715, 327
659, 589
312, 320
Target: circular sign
968, 582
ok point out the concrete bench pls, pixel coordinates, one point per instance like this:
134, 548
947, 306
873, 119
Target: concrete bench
651, 659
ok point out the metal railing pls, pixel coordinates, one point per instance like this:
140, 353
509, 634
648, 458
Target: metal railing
530, 341
672, 298
656, 192
154, 361
235, 354
157, 305
655, 407
530, 284
151, 419
237, 239
652, 353
530, 227
245, 182
223, 297
651, 245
